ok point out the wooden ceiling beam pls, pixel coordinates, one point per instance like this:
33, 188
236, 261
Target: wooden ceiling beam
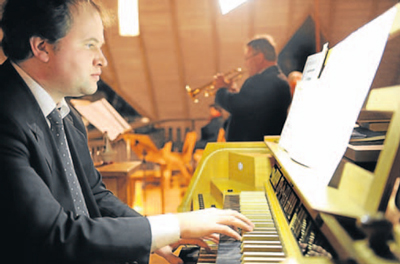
215, 36
252, 18
149, 81
110, 77
179, 58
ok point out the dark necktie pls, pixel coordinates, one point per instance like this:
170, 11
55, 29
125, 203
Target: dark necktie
58, 132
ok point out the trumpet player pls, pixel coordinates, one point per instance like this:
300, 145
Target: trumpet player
260, 106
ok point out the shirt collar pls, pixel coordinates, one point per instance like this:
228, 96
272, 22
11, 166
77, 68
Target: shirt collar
46, 103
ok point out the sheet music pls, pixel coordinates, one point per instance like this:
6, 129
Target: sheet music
324, 110
104, 117
314, 65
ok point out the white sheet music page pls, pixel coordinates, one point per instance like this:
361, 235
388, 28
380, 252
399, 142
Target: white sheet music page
325, 108
104, 117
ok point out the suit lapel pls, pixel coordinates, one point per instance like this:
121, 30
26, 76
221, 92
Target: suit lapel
44, 145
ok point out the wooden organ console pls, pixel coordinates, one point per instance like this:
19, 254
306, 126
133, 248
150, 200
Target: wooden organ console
295, 221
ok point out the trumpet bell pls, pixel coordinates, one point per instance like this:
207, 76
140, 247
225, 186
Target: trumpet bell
192, 93
209, 88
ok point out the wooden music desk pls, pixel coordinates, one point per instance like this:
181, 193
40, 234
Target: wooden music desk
116, 178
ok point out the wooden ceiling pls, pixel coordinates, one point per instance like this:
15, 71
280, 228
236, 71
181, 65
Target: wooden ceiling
188, 41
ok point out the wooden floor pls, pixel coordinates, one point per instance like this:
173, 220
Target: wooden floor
148, 202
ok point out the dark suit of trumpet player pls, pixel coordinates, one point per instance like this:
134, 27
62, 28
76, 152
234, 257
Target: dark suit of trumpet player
260, 107
57, 53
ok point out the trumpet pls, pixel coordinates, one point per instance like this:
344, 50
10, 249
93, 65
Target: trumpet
209, 89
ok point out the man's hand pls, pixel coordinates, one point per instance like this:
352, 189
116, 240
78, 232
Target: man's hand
198, 226
206, 222
220, 81
167, 252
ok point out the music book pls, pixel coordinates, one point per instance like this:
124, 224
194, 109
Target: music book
325, 108
362, 134
103, 116
374, 120
376, 126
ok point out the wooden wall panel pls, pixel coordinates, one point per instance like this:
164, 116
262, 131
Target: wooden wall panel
232, 30
161, 53
198, 44
127, 60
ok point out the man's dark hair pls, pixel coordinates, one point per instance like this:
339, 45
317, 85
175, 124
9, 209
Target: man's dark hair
216, 107
23, 19
264, 44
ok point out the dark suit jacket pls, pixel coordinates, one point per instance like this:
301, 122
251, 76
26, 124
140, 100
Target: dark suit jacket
259, 108
37, 221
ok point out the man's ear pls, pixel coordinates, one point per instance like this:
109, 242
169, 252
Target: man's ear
40, 48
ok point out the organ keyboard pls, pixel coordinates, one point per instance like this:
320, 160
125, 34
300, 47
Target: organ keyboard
284, 228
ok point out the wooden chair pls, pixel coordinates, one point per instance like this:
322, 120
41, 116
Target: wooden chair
221, 135
181, 161
145, 149
187, 151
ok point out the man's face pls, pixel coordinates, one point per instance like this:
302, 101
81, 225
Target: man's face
75, 62
214, 112
252, 60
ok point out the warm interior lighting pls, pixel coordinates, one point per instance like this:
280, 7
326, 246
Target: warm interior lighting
128, 15
228, 5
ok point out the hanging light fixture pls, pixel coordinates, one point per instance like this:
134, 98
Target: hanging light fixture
228, 5
128, 16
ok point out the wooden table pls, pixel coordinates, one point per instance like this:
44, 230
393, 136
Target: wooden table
116, 177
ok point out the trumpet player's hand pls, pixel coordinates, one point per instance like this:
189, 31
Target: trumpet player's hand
233, 88
221, 82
